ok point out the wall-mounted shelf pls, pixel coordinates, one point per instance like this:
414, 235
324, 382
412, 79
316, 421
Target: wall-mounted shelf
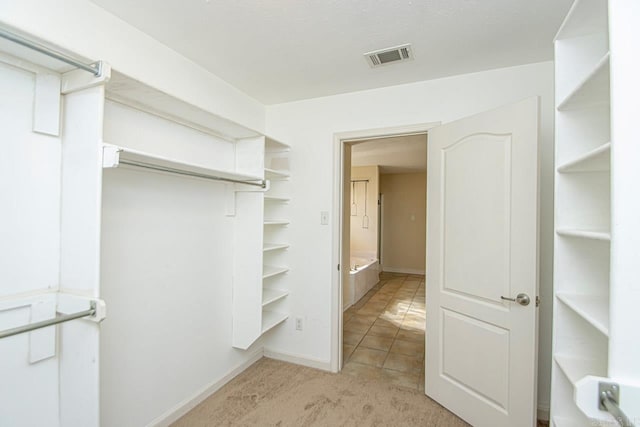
114, 156
592, 90
594, 309
275, 174
276, 222
131, 92
271, 319
272, 270
274, 246
596, 160
276, 199
272, 295
575, 368
584, 234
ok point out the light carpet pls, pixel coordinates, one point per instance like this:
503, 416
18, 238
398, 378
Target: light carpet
274, 393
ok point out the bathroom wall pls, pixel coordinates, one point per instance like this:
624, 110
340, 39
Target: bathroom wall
364, 240
404, 222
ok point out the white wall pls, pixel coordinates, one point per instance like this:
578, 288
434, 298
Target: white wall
29, 251
310, 126
83, 28
166, 275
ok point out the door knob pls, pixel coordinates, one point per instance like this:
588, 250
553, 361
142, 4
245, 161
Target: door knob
522, 299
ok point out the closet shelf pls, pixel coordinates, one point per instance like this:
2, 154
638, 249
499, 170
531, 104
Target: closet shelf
271, 270
584, 17
273, 145
276, 222
592, 90
585, 234
272, 295
114, 156
576, 368
596, 160
131, 92
276, 174
593, 309
271, 319
274, 246
276, 199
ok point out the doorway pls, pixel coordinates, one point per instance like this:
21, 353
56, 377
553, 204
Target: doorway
383, 299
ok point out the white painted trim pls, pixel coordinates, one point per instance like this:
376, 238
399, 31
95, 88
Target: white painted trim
336, 286
175, 413
298, 360
543, 412
402, 270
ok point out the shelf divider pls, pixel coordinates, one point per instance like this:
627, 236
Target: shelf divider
585, 234
591, 90
272, 295
271, 319
271, 270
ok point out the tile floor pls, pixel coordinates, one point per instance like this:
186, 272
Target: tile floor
383, 333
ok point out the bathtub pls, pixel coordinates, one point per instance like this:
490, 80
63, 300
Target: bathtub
363, 276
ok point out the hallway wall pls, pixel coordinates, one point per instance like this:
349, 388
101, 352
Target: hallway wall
404, 222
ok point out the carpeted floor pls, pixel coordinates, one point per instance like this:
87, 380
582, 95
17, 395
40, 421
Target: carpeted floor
274, 393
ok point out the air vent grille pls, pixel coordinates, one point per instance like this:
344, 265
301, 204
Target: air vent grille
389, 55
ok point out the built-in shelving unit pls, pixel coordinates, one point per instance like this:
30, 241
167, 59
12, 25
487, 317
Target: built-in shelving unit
583, 206
276, 286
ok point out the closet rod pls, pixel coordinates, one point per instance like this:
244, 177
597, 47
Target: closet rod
50, 322
95, 68
261, 183
359, 180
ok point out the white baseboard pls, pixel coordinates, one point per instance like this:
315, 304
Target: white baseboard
173, 414
298, 360
401, 270
543, 412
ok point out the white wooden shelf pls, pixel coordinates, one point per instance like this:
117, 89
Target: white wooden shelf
276, 222
115, 156
273, 145
584, 234
271, 270
271, 319
131, 92
597, 160
276, 199
275, 174
272, 295
593, 309
575, 368
592, 90
274, 246
584, 17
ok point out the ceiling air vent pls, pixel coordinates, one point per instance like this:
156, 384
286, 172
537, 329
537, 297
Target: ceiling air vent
389, 55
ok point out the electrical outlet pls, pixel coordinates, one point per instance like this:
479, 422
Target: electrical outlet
298, 323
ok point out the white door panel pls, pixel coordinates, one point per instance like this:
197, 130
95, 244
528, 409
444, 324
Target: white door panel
481, 245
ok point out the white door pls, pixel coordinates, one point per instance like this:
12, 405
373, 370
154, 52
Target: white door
482, 228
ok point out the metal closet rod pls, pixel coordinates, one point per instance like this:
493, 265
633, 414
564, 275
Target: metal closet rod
261, 183
94, 68
359, 180
50, 322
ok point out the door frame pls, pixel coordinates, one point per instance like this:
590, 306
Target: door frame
340, 140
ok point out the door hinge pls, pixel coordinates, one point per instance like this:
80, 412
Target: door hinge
338, 267
537, 301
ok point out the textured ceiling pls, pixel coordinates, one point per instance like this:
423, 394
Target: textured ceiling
400, 154
284, 50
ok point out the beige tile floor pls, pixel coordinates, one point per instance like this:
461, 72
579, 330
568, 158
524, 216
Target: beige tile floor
383, 333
